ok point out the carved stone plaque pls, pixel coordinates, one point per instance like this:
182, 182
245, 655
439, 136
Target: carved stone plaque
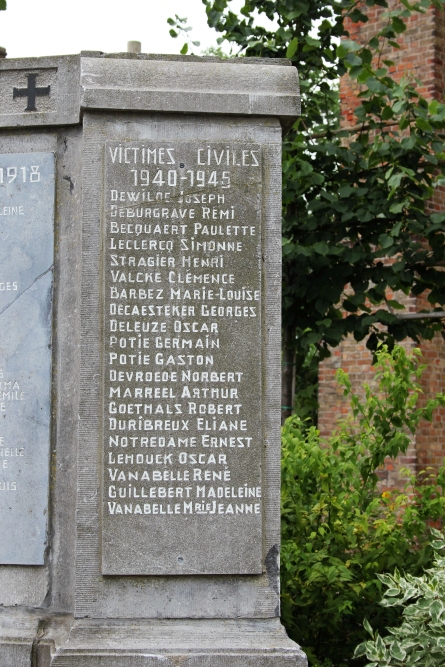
26, 277
182, 356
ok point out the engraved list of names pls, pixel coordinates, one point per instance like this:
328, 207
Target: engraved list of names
182, 354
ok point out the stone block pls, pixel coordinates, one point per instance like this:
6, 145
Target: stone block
39, 91
163, 444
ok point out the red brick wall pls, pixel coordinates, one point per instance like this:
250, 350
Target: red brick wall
422, 54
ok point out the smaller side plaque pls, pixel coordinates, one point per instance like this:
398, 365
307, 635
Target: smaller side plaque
26, 276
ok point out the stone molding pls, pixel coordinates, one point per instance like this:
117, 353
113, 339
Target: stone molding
134, 82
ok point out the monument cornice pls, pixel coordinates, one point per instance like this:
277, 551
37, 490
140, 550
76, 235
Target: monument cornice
144, 82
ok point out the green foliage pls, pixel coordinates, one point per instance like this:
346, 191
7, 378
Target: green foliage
339, 531
306, 384
181, 29
215, 51
420, 638
2, 5
351, 197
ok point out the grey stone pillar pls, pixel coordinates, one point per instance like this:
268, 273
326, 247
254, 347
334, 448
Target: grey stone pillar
158, 527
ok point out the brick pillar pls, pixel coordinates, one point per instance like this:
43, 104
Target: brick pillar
422, 54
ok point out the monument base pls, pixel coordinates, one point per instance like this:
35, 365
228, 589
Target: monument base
18, 630
178, 643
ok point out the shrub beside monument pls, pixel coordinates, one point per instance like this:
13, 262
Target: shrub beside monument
340, 531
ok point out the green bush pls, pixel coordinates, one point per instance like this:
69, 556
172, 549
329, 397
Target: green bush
420, 638
339, 531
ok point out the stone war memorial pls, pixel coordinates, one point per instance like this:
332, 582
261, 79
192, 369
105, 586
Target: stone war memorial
140, 284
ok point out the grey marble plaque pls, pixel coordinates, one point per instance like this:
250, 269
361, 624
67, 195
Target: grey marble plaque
182, 457
26, 276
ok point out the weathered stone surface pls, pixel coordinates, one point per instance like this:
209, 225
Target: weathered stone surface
166, 643
190, 87
188, 595
39, 91
26, 264
17, 634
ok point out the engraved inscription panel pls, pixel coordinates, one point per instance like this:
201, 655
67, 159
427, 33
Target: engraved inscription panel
26, 275
182, 354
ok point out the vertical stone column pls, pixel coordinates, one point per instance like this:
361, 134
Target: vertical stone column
164, 521
179, 421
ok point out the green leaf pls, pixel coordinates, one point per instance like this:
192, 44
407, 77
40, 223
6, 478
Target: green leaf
423, 124
350, 45
432, 106
360, 650
385, 241
346, 191
375, 86
380, 646
2, 5
184, 49
353, 60
404, 122
436, 610
368, 627
398, 25
437, 217
398, 207
438, 544
366, 56
386, 579
312, 41
395, 180
397, 651
321, 247
292, 48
